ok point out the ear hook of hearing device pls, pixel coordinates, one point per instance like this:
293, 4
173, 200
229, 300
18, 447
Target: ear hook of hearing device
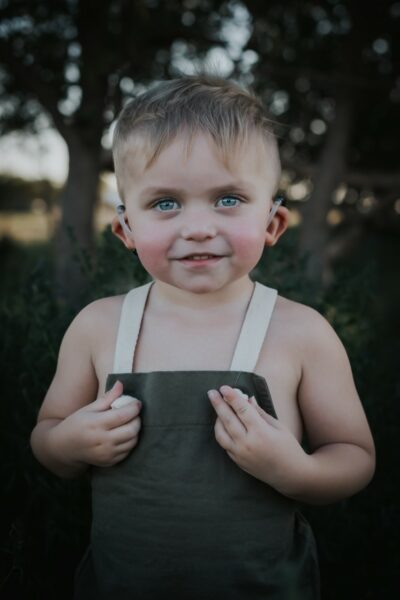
279, 200
120, 215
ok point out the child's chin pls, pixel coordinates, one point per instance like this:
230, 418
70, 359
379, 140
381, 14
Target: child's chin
199, 287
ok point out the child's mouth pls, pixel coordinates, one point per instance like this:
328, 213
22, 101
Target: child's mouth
200, 259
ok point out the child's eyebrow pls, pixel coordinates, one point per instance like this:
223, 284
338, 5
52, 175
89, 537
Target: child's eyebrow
227, 187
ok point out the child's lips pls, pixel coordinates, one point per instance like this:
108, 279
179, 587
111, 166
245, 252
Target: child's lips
190, 261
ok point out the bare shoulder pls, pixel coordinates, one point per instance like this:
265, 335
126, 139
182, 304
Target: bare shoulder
300, 315
76, 382
98, 313
327, 397
316, 342
307, 327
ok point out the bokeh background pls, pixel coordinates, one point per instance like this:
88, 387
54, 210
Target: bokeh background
329, 73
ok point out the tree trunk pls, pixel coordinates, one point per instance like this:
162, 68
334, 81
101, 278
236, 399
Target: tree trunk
74, 236
314, 232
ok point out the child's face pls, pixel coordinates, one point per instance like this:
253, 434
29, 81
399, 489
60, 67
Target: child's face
175, 211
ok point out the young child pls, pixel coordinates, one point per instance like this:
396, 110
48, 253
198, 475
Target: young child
197, 475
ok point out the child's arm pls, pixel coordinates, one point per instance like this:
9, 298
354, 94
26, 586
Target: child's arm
342, 459
74, 429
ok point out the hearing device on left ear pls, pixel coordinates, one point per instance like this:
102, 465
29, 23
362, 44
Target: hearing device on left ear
120, 214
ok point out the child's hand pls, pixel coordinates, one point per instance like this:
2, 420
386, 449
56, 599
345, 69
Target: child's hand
99, 434
257, 442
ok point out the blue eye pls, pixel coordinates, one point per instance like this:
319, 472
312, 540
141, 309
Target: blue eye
164, 205
230, 203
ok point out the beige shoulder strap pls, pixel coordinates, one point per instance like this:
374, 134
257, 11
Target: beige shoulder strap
129, 327
249, 344
254, 328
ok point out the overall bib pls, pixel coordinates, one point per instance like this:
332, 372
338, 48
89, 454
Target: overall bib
177, 518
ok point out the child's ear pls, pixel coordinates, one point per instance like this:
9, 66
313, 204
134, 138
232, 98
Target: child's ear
278, 226
120, 233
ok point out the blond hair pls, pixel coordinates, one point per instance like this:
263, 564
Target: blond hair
188, 105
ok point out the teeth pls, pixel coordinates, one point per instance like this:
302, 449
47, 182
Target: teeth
200, 256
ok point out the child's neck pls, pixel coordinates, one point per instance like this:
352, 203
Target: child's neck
165, 297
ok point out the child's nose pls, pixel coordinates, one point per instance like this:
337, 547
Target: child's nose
199, 225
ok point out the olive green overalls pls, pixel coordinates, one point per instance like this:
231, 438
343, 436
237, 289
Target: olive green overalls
178, 518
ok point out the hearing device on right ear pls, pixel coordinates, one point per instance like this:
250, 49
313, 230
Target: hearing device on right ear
276, 204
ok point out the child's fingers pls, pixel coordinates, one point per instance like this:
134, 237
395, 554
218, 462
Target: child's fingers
126, 446
122, 401
242, 394
126, 432
120, 416
105, 401
222, 436
233, 426
264, 415
245, 411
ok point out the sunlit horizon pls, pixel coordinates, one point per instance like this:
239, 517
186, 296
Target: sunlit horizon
34, 156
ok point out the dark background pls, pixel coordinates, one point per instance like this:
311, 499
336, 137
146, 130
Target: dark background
329, 73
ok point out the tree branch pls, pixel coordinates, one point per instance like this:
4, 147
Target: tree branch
370, 179
29, 79
328, 79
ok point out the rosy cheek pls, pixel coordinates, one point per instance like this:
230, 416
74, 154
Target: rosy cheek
152, 249
248, 242
150, 254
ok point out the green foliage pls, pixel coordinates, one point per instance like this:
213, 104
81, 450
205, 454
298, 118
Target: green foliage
35, 502
45, 524
113, 270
